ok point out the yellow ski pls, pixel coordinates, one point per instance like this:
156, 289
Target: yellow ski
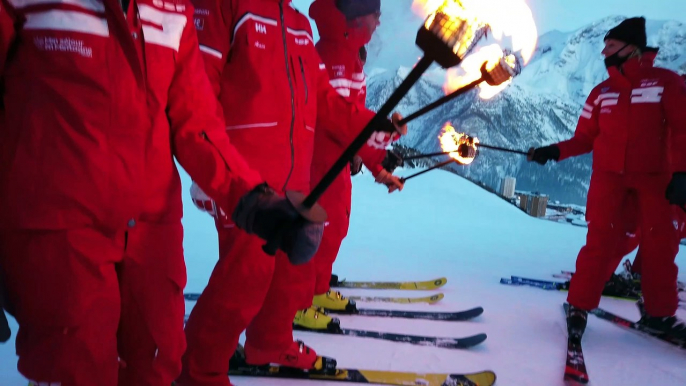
402, 285
426, 299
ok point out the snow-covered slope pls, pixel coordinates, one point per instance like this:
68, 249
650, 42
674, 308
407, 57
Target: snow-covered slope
443, 225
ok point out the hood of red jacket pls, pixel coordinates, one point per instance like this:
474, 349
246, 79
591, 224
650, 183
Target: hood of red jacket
332, 25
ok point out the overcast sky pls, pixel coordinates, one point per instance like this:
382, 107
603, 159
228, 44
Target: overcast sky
569, 15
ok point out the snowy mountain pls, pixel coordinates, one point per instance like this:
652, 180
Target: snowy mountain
540, 107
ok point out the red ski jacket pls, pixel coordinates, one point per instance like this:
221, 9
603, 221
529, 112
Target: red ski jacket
339, 49
634, 122
273, 87
96, 105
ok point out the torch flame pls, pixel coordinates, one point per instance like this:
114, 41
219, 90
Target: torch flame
511, 24
451, 141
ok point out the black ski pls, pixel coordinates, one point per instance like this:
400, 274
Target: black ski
575, 367
445, 316
623, 322
452, 343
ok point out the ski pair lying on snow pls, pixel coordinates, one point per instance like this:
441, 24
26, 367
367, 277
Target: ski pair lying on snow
428, 315
239, 367
369, 299
431, 341
608, 291
483, 378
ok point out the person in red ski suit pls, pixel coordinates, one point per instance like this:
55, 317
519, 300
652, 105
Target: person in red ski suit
98, 100
631, 242
635, 124
345, 27
273, 87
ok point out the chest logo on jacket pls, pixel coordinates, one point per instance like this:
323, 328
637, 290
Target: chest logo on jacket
647, 94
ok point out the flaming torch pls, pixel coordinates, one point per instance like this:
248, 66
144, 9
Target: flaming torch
447, 36
491, 67
459, 146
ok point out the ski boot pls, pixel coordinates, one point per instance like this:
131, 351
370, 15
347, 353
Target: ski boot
669, 325
334, 301
298, 356
576, 322
315, 318
333, 282
622, 287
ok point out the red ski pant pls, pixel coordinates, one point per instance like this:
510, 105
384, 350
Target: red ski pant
335, 231
633, 233
95, 308
247, 289
659, 240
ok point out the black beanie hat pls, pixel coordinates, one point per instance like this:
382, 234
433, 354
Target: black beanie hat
352, 9
630, 31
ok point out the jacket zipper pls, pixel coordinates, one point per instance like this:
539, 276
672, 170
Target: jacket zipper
290, 84
302, 70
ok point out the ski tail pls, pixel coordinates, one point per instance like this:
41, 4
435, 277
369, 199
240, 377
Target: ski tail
575, 365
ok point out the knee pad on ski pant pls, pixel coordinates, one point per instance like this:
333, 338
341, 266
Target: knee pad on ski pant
64, 291
152, 279
334, 233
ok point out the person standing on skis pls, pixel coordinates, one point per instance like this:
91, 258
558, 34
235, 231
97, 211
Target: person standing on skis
635, 124
344, 27
99, 98
274, 89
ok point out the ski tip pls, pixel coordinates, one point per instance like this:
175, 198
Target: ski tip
481, 378
480, 338
436, 298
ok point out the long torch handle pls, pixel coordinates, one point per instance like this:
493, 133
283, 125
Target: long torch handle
448, 162
478, 145
362, 138
441, 101
427, 155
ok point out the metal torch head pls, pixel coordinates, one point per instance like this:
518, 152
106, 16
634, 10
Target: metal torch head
499, 72
449, 34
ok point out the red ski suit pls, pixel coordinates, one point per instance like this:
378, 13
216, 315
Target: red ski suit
273, 87
96, 107
346, 73
635, 124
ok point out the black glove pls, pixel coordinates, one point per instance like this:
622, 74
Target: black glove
391, 161
355, 165
676, 190
272, 217
544, 154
